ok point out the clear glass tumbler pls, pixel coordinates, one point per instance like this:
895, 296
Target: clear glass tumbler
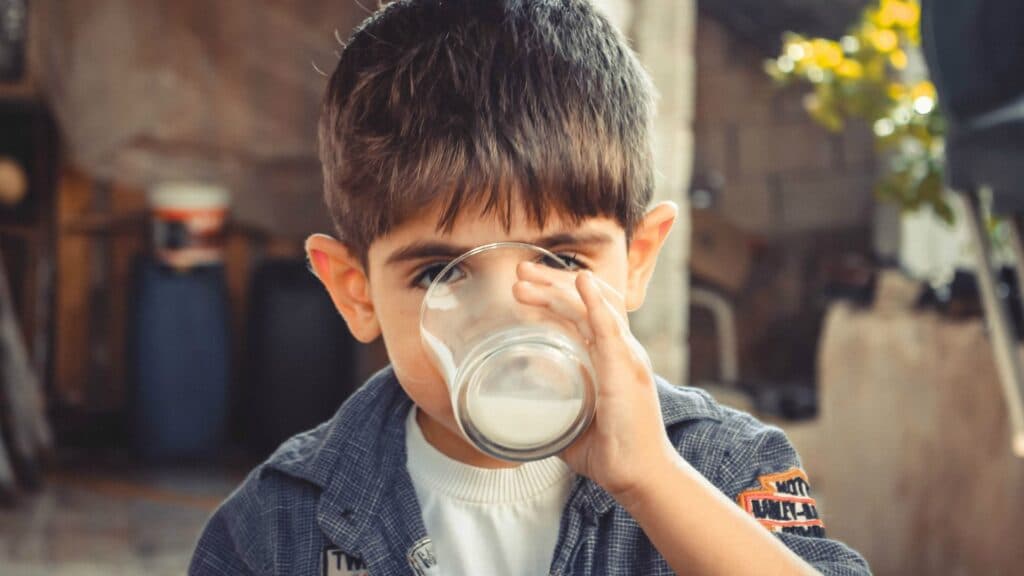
521, 381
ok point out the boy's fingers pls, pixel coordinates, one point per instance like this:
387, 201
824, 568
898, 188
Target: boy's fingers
550, 297
611, 331
561, 292
555, 299
604, 320
529, 271
611, 294
549, 276
587, 305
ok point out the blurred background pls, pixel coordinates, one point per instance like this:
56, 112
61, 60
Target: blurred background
160, 333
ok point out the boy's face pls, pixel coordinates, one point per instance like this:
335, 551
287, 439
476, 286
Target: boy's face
386, 301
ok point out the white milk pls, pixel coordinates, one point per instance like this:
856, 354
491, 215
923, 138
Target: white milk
443, 355
523, 422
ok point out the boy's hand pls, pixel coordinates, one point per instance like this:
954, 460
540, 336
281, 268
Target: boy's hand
627, 451
627, 439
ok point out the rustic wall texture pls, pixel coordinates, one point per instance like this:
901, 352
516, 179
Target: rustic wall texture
911, 453
225, 91
662, 32
778, 171
802, 193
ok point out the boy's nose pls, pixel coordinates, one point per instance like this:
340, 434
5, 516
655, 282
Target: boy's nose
499, 275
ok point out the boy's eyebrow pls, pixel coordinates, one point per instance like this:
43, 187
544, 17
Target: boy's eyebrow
429, 249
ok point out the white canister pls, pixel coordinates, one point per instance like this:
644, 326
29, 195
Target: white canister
188, 223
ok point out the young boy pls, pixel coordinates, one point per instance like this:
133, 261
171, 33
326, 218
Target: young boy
448, 124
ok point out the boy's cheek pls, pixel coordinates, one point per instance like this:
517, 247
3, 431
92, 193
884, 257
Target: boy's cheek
421, 381
432, 397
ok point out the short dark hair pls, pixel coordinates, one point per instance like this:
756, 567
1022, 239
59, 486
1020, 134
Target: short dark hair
483, 103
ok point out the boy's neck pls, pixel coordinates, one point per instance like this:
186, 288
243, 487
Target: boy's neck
454, 446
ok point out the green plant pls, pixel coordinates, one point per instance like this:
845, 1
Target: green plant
866, 75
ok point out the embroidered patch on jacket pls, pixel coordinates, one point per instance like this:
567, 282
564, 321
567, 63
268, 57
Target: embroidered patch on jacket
421, 558
783, 503
337, 563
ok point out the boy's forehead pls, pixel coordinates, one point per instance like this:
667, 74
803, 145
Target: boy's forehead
517, 227
473, 222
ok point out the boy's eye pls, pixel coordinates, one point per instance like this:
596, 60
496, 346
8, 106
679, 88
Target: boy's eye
427, 275
570, 261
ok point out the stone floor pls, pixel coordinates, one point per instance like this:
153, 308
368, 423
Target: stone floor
112, 523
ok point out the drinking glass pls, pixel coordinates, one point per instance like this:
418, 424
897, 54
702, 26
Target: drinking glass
521, 380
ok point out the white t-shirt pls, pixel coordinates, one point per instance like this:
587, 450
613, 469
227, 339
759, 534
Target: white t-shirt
487, 521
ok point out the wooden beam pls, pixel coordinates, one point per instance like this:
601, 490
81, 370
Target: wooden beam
71, 369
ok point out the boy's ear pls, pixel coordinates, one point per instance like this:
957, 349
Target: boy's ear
647, 241
345, 280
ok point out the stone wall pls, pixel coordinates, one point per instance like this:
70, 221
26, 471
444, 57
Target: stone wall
779, 172
780, 175
911, 455
803, 194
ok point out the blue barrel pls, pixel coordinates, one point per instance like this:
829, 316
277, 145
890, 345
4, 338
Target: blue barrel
181, 359
301, 358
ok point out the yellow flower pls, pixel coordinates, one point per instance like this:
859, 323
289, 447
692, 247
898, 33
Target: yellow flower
896, 91
898, 59
886, 18
884, 40
826, 53
907, 14
924, 89
898, 13
873, 16
850, 69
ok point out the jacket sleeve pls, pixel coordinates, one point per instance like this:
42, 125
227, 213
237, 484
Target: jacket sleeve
229, 544
761, 471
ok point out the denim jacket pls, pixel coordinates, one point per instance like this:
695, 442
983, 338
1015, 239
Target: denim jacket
338, 499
